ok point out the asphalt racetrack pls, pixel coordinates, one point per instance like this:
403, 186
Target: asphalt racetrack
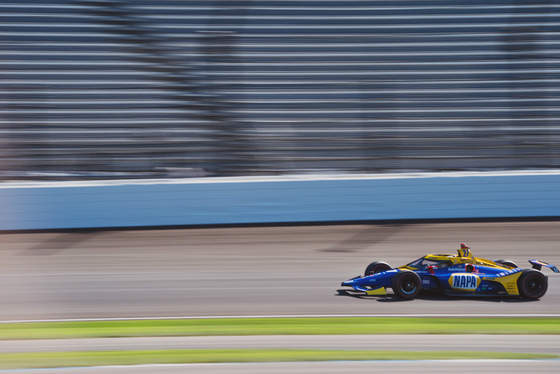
256, 271
264, 271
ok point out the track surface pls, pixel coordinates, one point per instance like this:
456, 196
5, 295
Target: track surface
477, 343
262, 271
368, 367
250, 271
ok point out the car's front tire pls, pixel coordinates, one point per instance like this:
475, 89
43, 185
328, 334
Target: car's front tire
532, 284
376, 267
406, 284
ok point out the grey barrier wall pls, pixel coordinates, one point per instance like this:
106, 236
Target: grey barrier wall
208, 201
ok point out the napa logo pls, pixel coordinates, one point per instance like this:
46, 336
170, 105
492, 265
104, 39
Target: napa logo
464, 281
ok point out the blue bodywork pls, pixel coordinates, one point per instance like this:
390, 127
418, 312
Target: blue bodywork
461, 274
458, 279
538, 264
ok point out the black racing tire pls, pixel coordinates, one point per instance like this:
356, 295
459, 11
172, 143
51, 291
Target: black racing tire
376, 267
509, 263
532, 284
406, 284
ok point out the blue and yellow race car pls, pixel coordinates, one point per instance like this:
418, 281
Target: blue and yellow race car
461, 274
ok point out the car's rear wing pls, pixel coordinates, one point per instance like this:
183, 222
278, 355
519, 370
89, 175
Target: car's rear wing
538, 264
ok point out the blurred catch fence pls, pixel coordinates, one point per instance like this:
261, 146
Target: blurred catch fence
141, 89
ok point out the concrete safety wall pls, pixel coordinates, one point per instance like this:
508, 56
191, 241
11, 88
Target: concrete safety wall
209, 201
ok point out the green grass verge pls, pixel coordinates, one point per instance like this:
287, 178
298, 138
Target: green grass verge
279, 326
103, 358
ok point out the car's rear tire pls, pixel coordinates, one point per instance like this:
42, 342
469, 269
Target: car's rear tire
406, 284
532, 284
376, 267
509, 263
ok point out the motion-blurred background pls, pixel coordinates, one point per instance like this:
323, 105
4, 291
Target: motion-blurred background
146, 88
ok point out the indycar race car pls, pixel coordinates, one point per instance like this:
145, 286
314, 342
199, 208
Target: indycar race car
461, 274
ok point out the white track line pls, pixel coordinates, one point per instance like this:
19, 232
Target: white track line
528, 315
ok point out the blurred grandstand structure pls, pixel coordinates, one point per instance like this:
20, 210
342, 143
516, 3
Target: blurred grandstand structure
147, 88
